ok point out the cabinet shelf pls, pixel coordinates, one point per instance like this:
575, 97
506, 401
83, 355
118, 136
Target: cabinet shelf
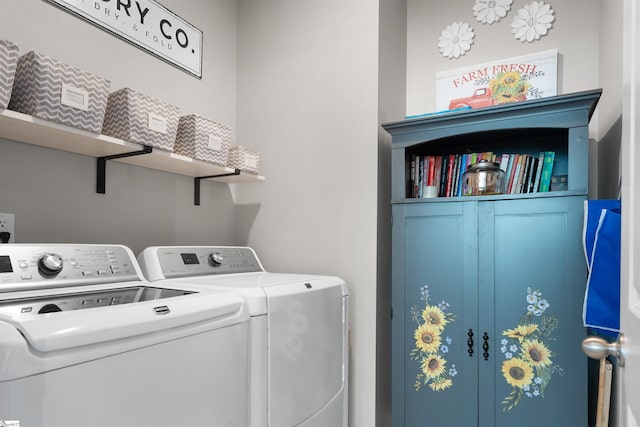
31, 130
547, 194
557, 124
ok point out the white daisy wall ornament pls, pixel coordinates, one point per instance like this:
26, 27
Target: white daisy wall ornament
490, 11
456, 40
532, 21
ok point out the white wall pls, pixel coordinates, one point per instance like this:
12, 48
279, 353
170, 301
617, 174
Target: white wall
391, 106
308, 101
610, 106
53, 194
574, 34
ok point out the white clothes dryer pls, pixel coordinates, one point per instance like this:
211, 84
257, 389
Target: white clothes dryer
86, 341
299, 330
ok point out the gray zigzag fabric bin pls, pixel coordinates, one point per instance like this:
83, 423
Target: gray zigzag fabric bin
203, 139
51, 90
139, 118
245, 159
8, 63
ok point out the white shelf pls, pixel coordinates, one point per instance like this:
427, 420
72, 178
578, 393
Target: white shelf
31, 130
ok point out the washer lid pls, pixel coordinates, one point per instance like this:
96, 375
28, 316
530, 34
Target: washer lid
76, 327
253, 286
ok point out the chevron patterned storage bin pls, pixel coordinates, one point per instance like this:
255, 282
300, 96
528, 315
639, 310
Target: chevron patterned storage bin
139, 118
245, 159
203, 139
48, 89
8, 63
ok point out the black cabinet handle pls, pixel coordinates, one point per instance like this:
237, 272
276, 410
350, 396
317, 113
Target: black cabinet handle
470, 342
485, 345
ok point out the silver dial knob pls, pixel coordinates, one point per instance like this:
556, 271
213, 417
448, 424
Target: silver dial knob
49, 265
215, 259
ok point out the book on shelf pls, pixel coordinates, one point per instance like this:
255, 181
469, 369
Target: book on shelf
418, 175
463, 168
455, 179
532, 174
509, 172
524, 173
515, 174
536, 184
444, 167
437, 172
547, 169
422, 175
527, 177
504, 162
414, 177
450, 169
431, 170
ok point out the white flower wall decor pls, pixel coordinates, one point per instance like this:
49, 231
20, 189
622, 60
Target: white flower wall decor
490, 11
456, 40
532, 21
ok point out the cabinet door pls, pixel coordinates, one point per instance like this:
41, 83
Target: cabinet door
434, 302
532, 276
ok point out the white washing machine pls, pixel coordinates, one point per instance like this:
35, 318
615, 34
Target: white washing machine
86, 341
298, 328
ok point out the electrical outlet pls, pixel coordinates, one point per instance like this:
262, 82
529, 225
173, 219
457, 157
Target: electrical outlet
7, 228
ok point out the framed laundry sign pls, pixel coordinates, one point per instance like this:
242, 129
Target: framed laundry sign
499, 82
146, 24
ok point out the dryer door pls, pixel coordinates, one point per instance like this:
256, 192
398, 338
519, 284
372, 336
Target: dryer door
307, 343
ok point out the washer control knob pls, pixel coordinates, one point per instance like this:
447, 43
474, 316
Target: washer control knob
215, 259
49, 265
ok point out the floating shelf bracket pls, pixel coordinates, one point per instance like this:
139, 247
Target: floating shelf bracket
196, 184
102, 166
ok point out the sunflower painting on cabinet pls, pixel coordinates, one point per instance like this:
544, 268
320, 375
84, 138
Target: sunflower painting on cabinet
528, 365
432, 344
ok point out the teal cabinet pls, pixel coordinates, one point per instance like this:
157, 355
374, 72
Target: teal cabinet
487, 290
532, 286
435, 258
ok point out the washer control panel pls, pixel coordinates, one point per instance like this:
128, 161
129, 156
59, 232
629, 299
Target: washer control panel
26, 266
203, 260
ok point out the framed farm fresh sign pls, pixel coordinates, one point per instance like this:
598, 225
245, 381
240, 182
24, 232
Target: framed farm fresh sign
499, 82
146, 24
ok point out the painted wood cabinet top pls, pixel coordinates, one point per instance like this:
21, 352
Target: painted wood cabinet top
562, 111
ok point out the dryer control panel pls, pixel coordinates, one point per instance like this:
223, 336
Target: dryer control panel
173, 262
30, 266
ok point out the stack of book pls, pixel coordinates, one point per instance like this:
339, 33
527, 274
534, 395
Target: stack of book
524, 173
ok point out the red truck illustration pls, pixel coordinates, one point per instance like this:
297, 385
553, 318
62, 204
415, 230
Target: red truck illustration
482, 97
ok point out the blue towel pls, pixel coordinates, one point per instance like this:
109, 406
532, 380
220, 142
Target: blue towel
601, 310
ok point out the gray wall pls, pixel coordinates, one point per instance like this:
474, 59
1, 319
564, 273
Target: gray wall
574, 34
52, 193
606, 178
391, 107
308, 100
